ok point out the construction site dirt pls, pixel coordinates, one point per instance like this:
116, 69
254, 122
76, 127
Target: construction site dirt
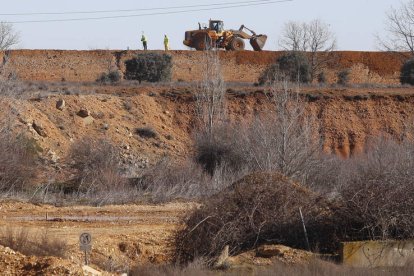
125, 235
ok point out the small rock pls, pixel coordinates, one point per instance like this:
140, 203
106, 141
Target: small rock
60, 104
53, 156
84, 113
39, 129
105, 126
88, 120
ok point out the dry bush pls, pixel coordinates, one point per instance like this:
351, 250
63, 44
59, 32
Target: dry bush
33, 244
97, 166
260, 208
219, 147
283, 141
377, 190
18, 162
146, 132
170, 180
110, 77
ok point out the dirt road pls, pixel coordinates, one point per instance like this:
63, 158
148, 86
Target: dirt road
123, 236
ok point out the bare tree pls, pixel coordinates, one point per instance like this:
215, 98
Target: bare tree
284, 141
8, 36
314, 37
294, 36
211, 99
400, 29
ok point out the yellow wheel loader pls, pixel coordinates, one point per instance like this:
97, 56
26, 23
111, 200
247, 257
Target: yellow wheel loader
214, 36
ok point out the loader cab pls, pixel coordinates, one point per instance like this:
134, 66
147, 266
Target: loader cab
217, 25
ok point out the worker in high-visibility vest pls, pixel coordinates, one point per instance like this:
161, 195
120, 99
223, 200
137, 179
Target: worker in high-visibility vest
144, 41
166, 43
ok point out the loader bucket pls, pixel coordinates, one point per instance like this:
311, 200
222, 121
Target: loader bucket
258, 42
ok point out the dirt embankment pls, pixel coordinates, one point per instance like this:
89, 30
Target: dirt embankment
344, 118
246, 66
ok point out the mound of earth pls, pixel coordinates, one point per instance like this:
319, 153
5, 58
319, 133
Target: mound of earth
259, 208
269, 255
14, 263
243, 66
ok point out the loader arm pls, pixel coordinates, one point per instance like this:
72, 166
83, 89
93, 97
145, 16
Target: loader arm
242, 27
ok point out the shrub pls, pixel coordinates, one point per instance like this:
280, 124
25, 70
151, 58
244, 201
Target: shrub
33, 244
151, 67
219, 148
296, 67
293, 66
259, 208
146, 132
18, 161
343, 77
407, 72
377, 190
271, 74
322, 78
110, 77
184, 179
96, 165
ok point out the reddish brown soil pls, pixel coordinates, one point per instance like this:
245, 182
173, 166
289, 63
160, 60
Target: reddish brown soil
346, 118
123, 236
246, 66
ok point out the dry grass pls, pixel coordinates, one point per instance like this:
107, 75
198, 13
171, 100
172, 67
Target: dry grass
321, 268
315, 268
33, 244
96, 165
169, 180
18, 162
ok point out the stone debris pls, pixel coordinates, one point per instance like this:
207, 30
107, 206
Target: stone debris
14, 263
60, 104
38, 127
83, 113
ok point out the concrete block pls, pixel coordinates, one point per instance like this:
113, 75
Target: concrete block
377, 253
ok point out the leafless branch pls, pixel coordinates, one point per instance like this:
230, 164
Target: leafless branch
8, 36
314, 37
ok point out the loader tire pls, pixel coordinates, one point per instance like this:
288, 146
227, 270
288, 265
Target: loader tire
237, 44
202, 42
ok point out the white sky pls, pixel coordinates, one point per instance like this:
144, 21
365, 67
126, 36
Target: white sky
355, 22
